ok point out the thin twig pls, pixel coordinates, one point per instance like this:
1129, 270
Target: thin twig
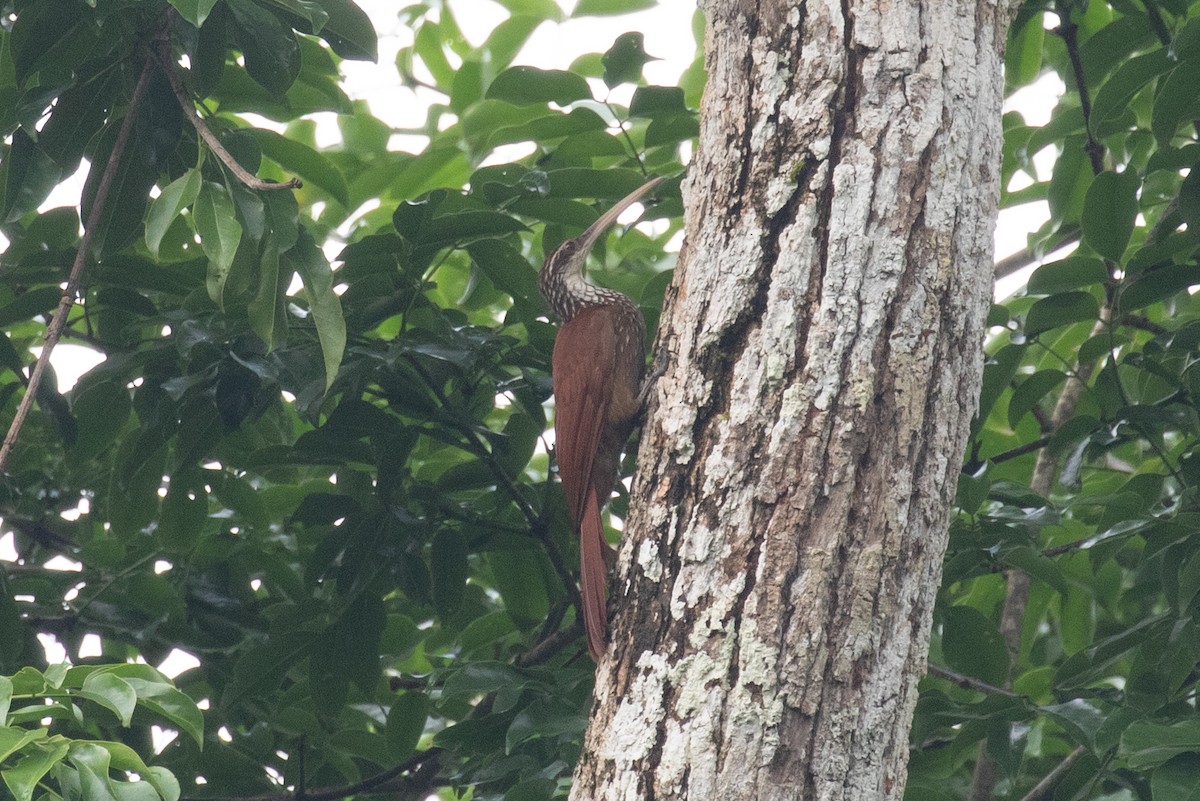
970, 682
551, 645
214, 144
1050, 779
628, 139
1020, 450
1069, 32
75, 278
1157, 24
474, 444
1142, 323
375, 782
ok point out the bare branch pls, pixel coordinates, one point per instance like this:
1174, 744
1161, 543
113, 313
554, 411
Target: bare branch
55, 329
548, 647
970, 682
1069, 32
423, 766
1042, 788
214, 144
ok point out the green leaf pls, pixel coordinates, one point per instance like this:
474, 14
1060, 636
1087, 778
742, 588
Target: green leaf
23, 778
1072, 272
972, 645
163, 781
1148, 743
46, 33
1113, 98
1176, 100
1058, 310
160, 697
1081, 718
1031, 391
28, 304
971, 492
308, 11
657, 101
624, 61
545, 718
506, 268
220, 234
174, 198
363, 745
153, 140
28, 175
609, 8
102, 409
1177, 780
302, 160
28, 681
93, 764
1023, 56
477, 678
1069, 182
194, 11
111, 692
1034, 563
406, 723
519, 579
267, 312
531, 790
1189, 198
998, 371
349, 31
13, 740
1109, 212
669, 130
1153, 286
524, 86
323, 303
448, 570
507, 39
271, 51
78, 116
577, 182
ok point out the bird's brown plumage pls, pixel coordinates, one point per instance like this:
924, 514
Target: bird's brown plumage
597, 367
595, 407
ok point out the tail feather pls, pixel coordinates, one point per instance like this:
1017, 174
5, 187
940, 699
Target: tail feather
593, 576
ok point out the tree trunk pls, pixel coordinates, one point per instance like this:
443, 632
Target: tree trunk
825, 325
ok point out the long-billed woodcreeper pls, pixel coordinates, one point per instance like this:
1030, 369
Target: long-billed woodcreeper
597, 367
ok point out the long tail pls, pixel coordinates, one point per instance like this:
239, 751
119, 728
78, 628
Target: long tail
593, 576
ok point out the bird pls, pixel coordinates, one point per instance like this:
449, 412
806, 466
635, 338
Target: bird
597, 371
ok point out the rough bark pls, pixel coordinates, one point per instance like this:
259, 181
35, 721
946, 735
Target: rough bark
825, 325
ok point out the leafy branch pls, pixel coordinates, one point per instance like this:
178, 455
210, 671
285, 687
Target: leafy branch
55, 329
171, 70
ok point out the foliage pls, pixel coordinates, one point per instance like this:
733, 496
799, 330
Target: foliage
81, 767
1106, 646
328, 482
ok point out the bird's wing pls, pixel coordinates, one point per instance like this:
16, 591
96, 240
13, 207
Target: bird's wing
583, 365
583, 372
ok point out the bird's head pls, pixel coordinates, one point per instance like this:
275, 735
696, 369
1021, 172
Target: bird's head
561, 279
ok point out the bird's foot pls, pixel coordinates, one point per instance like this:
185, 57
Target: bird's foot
657, 371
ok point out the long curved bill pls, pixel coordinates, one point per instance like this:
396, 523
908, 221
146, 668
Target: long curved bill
606, 220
